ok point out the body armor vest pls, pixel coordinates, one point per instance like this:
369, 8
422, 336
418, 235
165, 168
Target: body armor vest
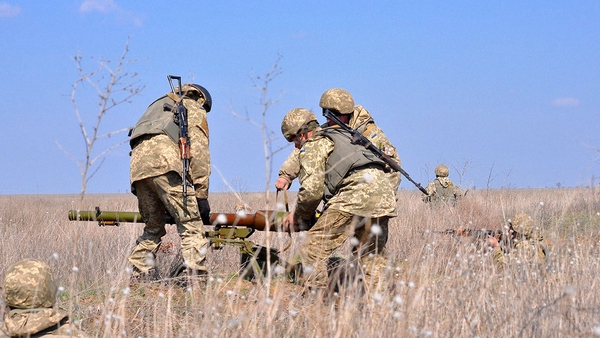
445, 194
345, 158
156, 120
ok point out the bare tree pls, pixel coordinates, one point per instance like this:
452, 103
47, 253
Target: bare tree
262, 82
113, 85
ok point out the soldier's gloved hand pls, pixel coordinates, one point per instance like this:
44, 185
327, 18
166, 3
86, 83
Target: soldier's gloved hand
204, 209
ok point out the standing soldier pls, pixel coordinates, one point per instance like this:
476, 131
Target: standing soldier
30, 293
357, 195
442, 190
156, 180
340, 100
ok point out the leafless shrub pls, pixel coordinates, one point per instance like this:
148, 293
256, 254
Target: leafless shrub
113, 85
269, 137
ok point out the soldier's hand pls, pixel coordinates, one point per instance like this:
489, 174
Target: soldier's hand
288, 224
204, 209
492, 241
282, 183
460, 232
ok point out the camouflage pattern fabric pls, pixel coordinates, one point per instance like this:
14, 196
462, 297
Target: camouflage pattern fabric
155, 195
337, 99
442, 191
331, 230
157, 154
155, 174
19, 323
29, 284
520, 251
441, 171
523, 224
296, 122
30, 293
291, 166
527, 246
362, 121
365, 193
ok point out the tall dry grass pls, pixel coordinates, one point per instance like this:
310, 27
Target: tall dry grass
443, 286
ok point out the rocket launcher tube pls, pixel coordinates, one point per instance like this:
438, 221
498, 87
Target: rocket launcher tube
257, 221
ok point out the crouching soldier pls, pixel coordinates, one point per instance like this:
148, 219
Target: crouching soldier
30, 294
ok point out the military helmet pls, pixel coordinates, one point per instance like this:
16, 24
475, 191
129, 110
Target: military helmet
337, 99
441, 171
29, 284
295, 121
191, 87
522, 224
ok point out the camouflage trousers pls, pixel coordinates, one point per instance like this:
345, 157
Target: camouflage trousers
155, 196
330, 232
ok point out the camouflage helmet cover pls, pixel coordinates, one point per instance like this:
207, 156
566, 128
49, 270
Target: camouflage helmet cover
294, 121
29, 284
191, 87
522, 224
441, 171
337, 99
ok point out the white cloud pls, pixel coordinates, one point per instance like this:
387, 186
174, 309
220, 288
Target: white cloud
109, 6
7, 10
566, 102
103, 6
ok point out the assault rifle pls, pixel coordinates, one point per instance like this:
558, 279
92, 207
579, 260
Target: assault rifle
228, 229
358, 138
477, 233
181, 119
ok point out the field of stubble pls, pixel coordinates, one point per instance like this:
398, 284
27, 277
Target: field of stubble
442, 286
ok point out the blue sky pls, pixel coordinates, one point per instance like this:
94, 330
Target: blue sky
506, 93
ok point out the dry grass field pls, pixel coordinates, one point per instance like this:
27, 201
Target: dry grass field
443, 286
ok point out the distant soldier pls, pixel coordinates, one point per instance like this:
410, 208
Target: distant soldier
30, 293
523, 243
340, 100
442, 190
155, 175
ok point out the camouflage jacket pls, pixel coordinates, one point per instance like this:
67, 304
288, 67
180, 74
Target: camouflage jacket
46, 322
364, 192
362, 121
520, 251
155, 155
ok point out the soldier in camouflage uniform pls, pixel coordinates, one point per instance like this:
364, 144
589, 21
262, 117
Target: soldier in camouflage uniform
155, 175
358, 198
442, 190
340, 100
30, 293
523, 243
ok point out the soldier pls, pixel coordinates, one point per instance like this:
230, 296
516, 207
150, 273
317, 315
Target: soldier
524, 242
442, 190
30, 294
155, 175
357, 195
340, 100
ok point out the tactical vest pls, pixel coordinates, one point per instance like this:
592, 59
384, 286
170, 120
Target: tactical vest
156, 120
345, 158
444, 194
